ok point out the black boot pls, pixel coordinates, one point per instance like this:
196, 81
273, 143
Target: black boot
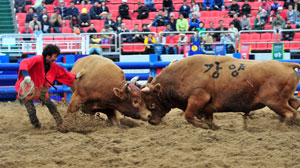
32, 114
53, 110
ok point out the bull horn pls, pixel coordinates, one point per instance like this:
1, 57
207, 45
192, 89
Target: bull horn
126, 88
146, 89
134, 81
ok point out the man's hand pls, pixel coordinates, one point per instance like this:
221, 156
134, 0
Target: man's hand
27, 79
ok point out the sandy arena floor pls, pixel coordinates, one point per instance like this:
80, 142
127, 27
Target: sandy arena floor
136, 144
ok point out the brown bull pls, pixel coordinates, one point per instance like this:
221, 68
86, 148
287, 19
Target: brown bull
202, 85
103, 88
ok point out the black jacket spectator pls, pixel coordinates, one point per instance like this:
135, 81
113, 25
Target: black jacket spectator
63, 11
104, 9
124, 11
172, 22
20, 6
84, 19
29, 17
110, 22
168, 5
73, 11
218, 35
288, 35
90, 30
49, 1
95, 11
234, 7
246, 9
143, 12
46, 27
185, 10
237, 24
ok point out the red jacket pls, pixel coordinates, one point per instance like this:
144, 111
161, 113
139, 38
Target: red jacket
23, 31
36, 70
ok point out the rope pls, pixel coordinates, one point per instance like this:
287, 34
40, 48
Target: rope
26, 89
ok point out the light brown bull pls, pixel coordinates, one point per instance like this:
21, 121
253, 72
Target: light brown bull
103, 88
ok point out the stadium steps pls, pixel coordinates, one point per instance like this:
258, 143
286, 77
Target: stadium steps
6, 20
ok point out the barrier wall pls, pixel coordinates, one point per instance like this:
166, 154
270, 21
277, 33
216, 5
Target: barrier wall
153, 64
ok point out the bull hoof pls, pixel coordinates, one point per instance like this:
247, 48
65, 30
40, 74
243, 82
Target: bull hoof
62, 130
214, 127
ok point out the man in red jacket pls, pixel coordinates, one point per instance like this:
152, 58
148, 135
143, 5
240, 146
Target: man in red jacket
41, 70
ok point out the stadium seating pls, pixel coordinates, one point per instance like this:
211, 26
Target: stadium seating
206, 17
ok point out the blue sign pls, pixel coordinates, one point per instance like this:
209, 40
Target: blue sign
220, 49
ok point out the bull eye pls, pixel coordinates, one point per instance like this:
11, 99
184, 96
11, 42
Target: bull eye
152, 106
135, 102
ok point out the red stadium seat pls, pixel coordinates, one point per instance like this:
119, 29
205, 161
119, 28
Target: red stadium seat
66, 30
147, 21
50, 8
205, 13
244, 37
21, 16
152, 29
127, 22
139, 48
133, 15
113, 7
160, 29
294, 46
266, 36
152, 15
254, 37
128, 48
297, 37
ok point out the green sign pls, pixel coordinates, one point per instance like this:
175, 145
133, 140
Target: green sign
277, 51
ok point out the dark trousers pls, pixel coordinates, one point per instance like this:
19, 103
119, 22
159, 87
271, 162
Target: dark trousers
32, 112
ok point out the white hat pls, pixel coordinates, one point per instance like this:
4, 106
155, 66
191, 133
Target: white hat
280, 8
124, 1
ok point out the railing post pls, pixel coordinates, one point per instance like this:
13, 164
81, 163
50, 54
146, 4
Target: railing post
152, 59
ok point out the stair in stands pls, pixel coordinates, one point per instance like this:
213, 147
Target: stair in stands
6, 18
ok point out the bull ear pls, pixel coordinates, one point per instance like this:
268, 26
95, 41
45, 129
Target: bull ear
150, 79
157, 87
119, 93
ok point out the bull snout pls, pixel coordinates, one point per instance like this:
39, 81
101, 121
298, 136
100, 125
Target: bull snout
146, 115
153, 121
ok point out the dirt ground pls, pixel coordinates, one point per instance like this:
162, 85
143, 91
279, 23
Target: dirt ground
172, 144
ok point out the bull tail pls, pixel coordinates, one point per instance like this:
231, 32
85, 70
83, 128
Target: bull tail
292, 65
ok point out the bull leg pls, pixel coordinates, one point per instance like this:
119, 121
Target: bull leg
284, 110
209, 120
73, 106
112, 117
195, 103
294, 102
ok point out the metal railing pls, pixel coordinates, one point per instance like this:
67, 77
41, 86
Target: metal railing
67, 42
16, 43
258, 31
288, 30
132, 44
85, 41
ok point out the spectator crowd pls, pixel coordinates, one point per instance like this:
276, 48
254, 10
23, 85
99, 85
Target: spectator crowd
276, 15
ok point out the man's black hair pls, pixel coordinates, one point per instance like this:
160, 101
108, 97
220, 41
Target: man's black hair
50, 49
